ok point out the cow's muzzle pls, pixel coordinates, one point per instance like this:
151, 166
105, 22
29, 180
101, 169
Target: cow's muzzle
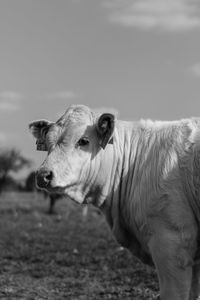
43, 177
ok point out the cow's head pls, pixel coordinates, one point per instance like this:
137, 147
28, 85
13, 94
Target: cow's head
74, 146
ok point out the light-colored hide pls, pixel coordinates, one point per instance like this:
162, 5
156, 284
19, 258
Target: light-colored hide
144, 176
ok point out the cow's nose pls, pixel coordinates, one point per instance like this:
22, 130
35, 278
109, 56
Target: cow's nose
43, 178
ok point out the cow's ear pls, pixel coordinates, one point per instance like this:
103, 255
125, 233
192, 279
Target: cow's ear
39, 130
105, 128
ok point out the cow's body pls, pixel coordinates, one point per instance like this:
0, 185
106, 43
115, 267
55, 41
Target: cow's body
154, 176
146, 182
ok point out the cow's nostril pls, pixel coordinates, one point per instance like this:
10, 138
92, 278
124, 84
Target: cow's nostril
48, 177
43, 178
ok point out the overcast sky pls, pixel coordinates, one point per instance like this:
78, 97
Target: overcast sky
141, 57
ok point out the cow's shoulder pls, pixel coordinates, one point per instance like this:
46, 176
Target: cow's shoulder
179, 132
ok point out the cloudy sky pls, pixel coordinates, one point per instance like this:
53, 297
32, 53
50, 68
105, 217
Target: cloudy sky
141, 57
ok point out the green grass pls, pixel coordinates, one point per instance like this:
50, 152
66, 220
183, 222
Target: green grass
64, 256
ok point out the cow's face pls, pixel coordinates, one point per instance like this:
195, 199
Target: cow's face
73, 144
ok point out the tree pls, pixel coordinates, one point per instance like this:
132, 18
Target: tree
11, 160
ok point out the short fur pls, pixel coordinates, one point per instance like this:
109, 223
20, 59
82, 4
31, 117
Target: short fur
147, 183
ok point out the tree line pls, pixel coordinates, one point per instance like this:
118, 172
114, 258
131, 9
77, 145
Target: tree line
11, 162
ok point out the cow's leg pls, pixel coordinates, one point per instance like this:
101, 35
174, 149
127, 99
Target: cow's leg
195, 291
174, 265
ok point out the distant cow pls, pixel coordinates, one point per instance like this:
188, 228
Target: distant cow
144, 176
31, 187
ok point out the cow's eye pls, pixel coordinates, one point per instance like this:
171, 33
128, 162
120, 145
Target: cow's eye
84, 141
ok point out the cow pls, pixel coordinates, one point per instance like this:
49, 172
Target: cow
30, 186
145, 178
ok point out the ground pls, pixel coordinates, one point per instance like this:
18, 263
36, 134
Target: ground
64, 256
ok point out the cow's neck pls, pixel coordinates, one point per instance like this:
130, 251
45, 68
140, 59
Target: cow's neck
121, 160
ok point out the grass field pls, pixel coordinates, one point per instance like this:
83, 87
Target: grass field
64, 256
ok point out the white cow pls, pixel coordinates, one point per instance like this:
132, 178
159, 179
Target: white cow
144, 176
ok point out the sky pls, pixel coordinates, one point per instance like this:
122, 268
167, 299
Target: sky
138, 57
